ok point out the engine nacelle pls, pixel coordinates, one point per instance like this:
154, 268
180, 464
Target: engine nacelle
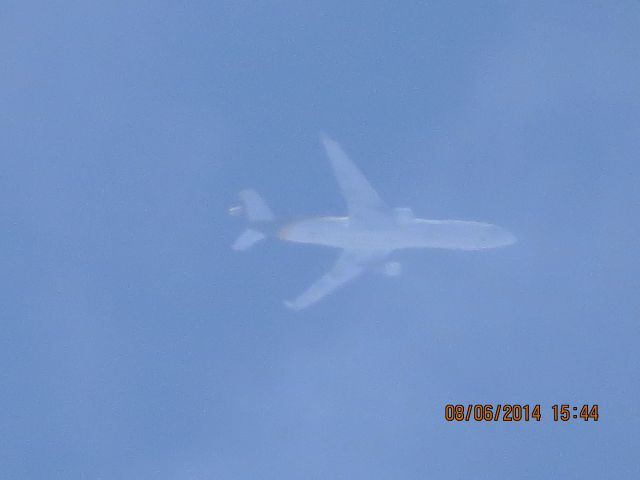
392, 269
403, 215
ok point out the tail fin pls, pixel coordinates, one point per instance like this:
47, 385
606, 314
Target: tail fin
255, 207
256, 211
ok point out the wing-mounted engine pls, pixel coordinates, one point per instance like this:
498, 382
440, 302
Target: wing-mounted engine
403, 215
390, 269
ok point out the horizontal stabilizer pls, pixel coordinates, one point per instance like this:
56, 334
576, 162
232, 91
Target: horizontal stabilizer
247, 239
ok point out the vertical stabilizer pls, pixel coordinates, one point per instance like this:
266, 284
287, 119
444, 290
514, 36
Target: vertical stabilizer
255, 207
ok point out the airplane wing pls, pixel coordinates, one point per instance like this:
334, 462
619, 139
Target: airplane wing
363, 202
349, 265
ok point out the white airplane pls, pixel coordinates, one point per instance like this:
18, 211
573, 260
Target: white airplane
368, 235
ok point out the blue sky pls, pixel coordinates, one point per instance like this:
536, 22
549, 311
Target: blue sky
136, 344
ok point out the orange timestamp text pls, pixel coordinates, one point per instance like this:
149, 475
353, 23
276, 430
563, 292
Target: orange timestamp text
516, 412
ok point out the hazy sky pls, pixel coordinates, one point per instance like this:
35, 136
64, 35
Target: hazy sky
136, 344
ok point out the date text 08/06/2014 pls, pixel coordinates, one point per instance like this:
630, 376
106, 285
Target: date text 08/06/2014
515, 412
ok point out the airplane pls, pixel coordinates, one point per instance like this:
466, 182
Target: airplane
368, 235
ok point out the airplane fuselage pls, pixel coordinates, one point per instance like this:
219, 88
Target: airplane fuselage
414, 233
368, 235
